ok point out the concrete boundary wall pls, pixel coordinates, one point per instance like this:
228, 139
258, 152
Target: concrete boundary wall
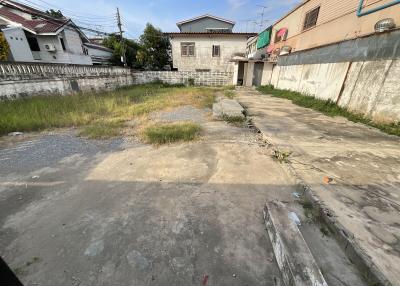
23, 79
371, 88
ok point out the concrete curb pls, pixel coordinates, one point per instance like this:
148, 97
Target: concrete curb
345, 238
295, 260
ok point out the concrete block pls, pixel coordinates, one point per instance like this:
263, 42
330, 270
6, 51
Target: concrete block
294, 258
232, 108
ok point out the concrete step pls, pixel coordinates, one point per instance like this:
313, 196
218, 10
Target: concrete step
227, 107
294, 258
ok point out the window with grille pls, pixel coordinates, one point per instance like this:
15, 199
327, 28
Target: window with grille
187, 49
311, 19
216, 51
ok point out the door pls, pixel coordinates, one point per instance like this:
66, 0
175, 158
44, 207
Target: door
257, 74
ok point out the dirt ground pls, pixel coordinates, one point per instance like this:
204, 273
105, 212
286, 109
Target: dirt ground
119, 212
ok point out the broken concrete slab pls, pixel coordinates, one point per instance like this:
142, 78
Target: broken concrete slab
228, 107
294, 258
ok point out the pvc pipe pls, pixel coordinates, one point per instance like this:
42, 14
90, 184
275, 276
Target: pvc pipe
360, 13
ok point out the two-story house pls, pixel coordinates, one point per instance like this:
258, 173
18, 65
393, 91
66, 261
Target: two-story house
34, 36
206, 43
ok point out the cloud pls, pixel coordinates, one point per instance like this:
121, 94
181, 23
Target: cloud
236, 4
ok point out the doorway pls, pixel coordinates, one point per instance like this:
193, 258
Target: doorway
257, 74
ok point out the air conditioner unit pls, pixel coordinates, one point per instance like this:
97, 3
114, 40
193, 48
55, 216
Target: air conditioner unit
50, 47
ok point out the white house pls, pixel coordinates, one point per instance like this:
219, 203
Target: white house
99, 54
206, 43
33, 36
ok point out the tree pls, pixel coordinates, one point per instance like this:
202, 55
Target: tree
55, 14
154, 49
4, 48
131, 47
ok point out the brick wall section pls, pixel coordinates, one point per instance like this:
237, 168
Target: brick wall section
24, 79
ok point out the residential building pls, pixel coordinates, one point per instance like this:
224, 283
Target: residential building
314, 24
34, 36
207, 43
99, 54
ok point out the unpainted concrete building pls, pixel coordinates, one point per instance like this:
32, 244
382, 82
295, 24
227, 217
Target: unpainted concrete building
206, 43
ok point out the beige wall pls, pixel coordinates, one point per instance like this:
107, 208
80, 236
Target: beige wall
203, 58
337, 21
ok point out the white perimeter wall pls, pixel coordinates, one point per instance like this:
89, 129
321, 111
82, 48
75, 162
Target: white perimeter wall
370, 88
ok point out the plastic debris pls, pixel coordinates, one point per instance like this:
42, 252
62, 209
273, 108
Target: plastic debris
15, 134
234, 275
293, 217
35, 177
327, 180
205, 279
296, 195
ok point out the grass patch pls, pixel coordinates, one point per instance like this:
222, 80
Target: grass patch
96, 110
329, 108
168, 133
229, 94
101, 130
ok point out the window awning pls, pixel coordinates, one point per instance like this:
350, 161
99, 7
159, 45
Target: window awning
270, 48
264, 38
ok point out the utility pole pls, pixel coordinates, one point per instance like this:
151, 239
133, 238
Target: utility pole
123, 57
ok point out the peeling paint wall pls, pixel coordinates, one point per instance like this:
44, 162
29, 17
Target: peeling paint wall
371, 88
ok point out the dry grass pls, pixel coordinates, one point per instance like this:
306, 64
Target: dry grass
101, 114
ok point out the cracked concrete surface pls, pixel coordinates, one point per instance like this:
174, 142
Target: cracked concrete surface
115, 213
363, 162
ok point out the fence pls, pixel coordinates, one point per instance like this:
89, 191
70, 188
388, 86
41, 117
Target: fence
30, 79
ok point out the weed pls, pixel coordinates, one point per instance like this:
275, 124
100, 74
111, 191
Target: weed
45, 112
234, 120
101, 130
191, 81
168, 133
329, 108
229, 94
282, 156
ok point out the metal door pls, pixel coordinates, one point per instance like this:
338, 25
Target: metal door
257, 74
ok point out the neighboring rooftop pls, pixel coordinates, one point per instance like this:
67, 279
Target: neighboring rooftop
32, 20
206, 23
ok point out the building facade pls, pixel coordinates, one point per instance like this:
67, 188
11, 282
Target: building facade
206, 43
33, 36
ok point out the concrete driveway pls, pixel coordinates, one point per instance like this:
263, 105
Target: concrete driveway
362, 162
78, 212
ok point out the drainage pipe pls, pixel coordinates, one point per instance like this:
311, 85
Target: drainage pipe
360, 13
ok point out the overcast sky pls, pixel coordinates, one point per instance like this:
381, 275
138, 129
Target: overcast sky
165, 13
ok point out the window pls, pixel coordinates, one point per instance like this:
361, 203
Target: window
62, 43
311, 18
33, 44
216, 51
187, 49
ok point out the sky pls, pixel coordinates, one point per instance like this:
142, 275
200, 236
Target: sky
164, 14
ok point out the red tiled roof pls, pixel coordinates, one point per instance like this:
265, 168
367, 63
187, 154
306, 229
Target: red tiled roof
38, 26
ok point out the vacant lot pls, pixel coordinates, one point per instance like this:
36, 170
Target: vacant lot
101, 115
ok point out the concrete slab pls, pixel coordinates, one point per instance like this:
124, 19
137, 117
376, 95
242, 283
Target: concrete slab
228, 107
363, 197
294, 258
114, 213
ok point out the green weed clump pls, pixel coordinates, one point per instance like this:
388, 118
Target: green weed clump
168, 133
